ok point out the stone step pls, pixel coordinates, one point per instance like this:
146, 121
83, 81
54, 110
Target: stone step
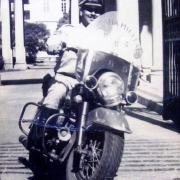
151, 104
150, 96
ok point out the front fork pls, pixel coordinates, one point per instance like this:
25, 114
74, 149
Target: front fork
83, 113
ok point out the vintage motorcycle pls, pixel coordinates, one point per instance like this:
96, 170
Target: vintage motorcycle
88, 131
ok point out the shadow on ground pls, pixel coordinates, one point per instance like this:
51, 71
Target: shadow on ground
153, 118
44, 170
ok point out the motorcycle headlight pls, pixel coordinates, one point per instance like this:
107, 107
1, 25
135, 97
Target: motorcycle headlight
110, 89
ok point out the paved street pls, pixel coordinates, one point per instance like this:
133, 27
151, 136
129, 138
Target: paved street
151, 152
12, 100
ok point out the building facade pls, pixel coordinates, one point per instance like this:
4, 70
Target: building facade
144, 16
41, 11
47, 12
156, 23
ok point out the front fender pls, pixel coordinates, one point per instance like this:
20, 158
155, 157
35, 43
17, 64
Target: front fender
107, 119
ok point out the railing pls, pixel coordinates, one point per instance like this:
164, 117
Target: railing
172, 54
171, 8
171, 41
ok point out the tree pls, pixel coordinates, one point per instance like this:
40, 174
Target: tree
35, 37
63, 20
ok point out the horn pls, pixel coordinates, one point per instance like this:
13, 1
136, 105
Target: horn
64, 134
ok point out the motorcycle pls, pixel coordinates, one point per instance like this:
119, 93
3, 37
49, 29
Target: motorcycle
88, 131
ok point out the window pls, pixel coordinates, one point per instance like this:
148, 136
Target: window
26, 15
63, 6
26, 1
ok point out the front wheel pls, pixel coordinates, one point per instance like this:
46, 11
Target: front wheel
100, 158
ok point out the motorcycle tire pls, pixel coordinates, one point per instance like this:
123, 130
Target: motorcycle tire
102, 157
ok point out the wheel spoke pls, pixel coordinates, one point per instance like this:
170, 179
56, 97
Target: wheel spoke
90, 161
96, 151
96, 156
90, 166
86, 171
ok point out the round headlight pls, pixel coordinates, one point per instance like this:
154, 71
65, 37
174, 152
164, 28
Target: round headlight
110, 89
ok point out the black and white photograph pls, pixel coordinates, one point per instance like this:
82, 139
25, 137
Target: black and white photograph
89, 89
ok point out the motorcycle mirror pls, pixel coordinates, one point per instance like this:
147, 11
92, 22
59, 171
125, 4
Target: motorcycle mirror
91, 82
131, 97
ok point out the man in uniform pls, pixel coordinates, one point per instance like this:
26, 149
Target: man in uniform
64, 78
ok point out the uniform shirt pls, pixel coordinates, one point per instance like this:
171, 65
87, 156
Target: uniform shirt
72, 36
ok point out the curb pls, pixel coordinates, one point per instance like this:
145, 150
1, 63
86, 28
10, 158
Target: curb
149, 116
20, 82
151, 104
152, 101
32, 75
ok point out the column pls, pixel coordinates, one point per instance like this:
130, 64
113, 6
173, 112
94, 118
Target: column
157, 35
6, 35
19, 36
146, 43
129, 13
74, 9
156, 75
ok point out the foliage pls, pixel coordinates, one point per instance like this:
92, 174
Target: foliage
35, 37
63, 20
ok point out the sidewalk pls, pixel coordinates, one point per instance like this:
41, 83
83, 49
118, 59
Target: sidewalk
148, 108
32, 75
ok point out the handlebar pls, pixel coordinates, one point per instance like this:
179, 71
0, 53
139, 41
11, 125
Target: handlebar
61, 51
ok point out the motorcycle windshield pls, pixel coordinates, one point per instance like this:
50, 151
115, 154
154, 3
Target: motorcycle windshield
108, 43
